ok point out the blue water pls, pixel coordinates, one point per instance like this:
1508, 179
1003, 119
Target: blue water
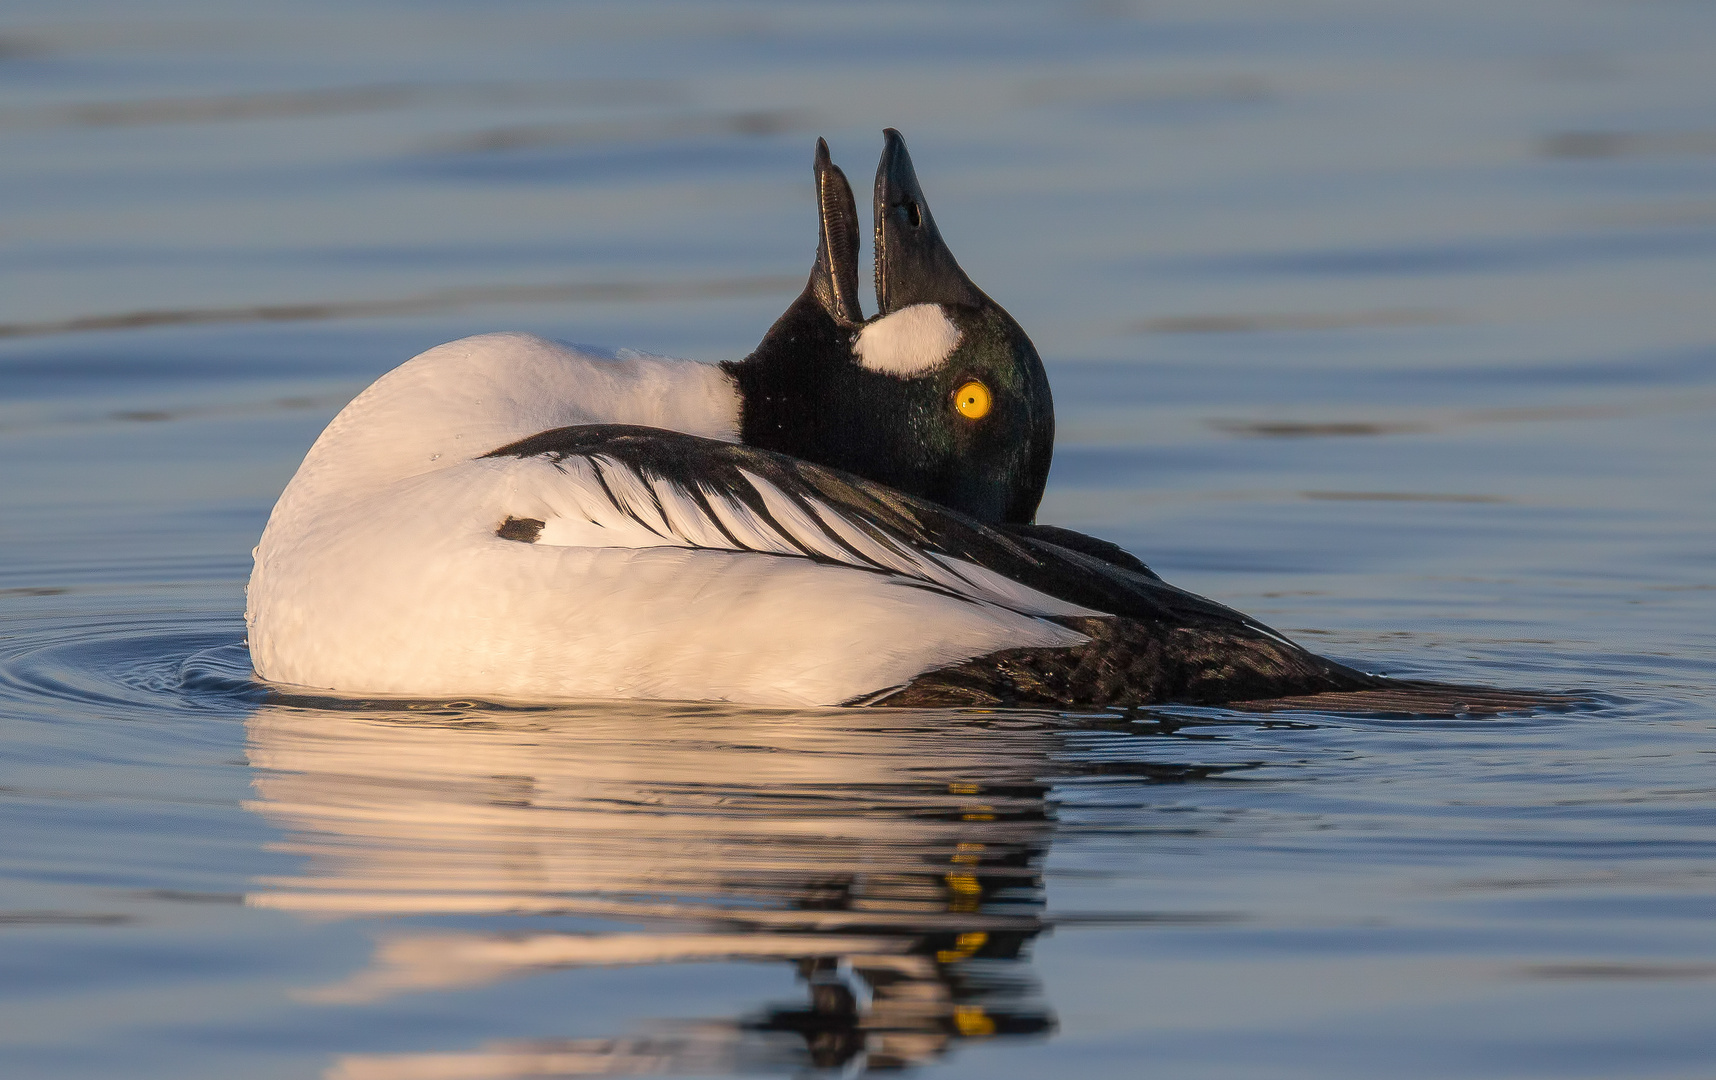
1390, 324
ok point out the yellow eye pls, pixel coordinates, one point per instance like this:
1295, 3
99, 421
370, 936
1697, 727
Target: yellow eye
972, 400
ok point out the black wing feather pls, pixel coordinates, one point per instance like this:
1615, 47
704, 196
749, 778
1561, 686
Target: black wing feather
1038, 556
1153, 643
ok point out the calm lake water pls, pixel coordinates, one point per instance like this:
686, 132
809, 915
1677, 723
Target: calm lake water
1388, 323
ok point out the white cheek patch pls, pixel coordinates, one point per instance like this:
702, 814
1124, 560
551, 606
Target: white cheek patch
909, 342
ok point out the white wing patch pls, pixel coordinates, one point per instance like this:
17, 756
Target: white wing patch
912, 341
597, 501
685, 518
749, 531
801, 526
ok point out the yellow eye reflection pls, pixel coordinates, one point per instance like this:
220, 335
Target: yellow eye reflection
972, 400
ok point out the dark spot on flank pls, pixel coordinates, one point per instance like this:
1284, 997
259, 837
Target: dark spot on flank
524, 530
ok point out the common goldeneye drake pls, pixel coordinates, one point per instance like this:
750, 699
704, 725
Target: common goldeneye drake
843, 517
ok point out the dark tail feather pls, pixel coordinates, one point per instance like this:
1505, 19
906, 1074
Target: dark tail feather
1414, 698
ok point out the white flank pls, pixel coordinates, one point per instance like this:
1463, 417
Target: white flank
381, 571
911, 341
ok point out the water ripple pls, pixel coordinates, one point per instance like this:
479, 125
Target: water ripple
138, 663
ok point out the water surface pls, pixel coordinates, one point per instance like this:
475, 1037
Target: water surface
1388, 324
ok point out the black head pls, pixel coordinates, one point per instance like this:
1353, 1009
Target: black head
941, 394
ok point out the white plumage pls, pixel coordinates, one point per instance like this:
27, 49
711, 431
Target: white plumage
381, 570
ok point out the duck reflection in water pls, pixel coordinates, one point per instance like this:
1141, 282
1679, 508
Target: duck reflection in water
894, 859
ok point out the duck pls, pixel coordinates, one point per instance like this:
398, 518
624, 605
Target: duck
844, 517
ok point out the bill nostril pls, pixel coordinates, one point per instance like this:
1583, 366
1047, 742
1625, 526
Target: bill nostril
913, 218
